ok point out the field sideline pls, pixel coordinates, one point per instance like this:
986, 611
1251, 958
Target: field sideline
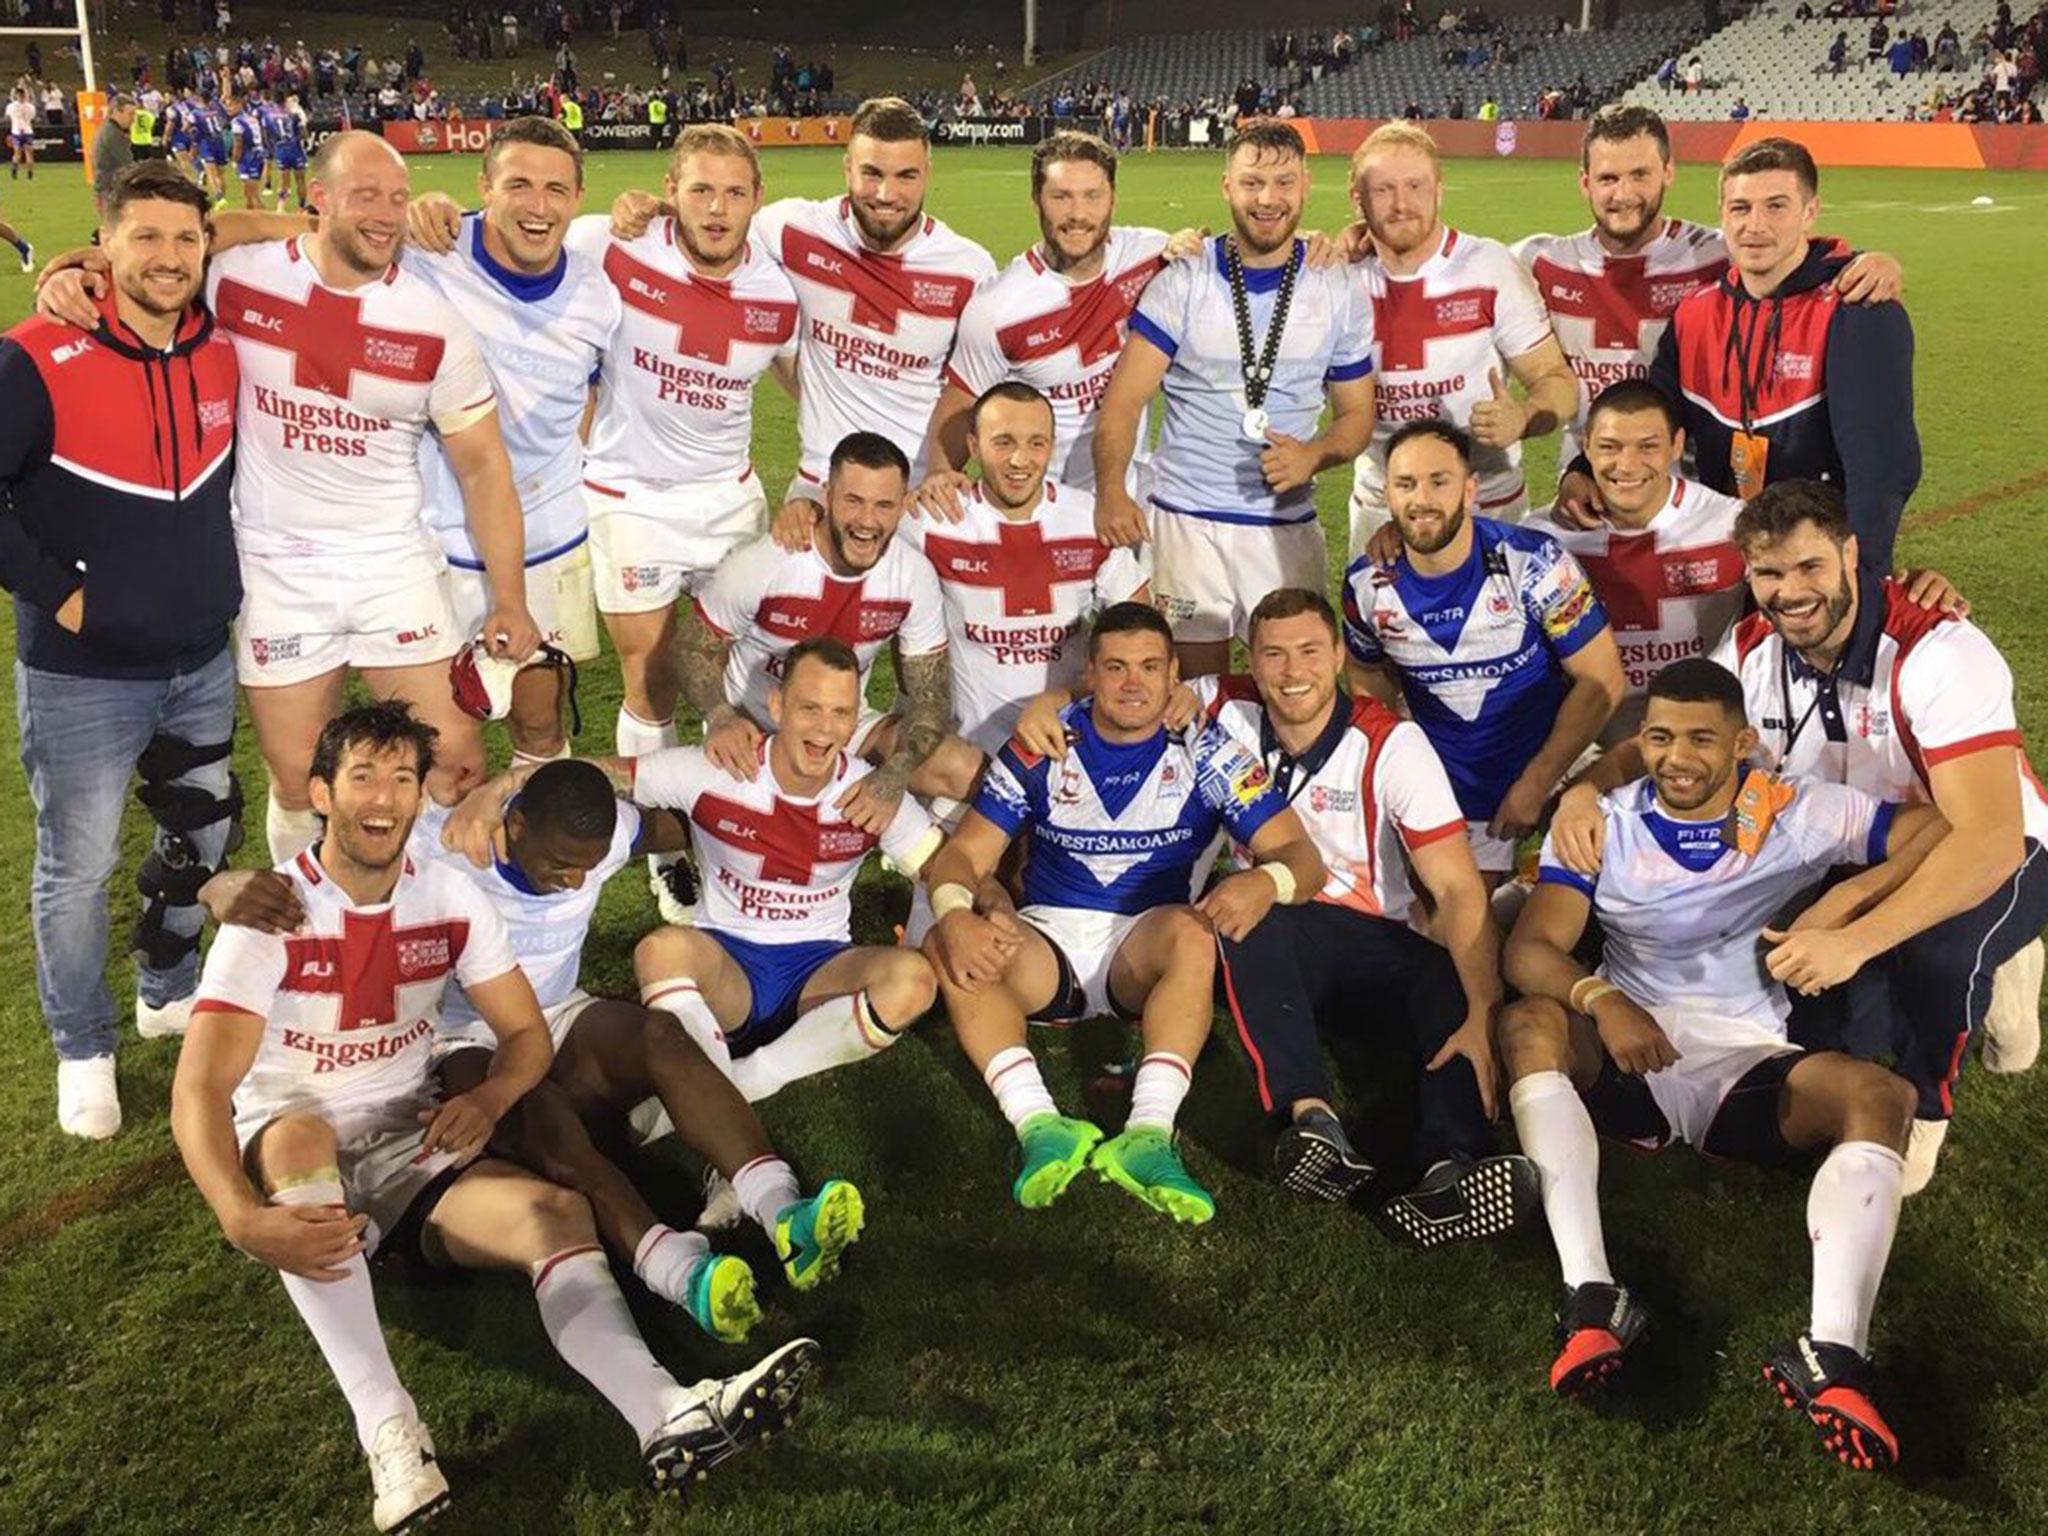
1092, 1368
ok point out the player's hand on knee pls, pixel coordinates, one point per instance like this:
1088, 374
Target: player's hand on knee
972, 950
1578, 832
794, 524
1931, 589
460, 1126
1473, 1040
1811, 960
733, 743
68, 296
632, 212
942, 496
1636, 1041
310, 1241
1578, 502
1237, 903
253, 898
433, 221
1119, 521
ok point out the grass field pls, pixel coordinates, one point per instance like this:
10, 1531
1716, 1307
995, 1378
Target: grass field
1093, 1368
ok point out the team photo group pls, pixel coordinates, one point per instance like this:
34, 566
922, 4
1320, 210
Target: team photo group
1659, 804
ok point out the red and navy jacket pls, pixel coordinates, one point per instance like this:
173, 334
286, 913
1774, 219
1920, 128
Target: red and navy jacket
1828, 384
116, 461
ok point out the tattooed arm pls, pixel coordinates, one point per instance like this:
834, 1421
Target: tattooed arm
731, 740
924, 695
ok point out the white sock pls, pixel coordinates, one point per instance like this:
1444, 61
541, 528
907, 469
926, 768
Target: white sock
342, 1317
766, 1188
1163, 1081
1851, 1213
586, 1318
637, 737
290, 833
535, 759
665, 1260
1557, 1134
1012, 1076
678, 995
833, 1034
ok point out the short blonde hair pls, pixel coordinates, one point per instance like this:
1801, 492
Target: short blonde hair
714, 139
1399, 134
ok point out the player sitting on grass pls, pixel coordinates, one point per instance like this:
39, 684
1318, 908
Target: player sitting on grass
555, 847
305, 1110
1680, 1035
1117, 830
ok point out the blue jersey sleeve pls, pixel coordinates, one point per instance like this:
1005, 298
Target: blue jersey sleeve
1234, 783
1551, 870
1559, 598
1012, 793
1359, 637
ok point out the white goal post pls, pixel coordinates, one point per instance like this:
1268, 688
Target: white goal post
82, 31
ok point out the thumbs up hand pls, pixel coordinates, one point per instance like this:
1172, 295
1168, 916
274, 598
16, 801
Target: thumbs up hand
1499, 419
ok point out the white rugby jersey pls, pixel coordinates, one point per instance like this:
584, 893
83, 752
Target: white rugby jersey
1061, 337
1369, 792
1123, 826
542, 338
545, 929
350, 1000
1681, 910
1442, 332
1672, 588
338, 387
1017, 592
675, 407
877, 328
1914, 688
764, 599
1204, 465
777, 867
1479, 651
1609, 312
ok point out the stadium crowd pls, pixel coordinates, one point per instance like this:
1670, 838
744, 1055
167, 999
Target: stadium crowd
1657, 804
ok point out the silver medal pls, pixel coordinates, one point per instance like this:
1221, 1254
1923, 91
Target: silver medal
1256, 421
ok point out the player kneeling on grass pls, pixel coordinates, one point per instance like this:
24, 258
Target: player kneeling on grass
1680, 1035
305, 1110
555, 845
1117, 828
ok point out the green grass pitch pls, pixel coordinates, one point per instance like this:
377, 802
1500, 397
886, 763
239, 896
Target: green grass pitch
1094, 1368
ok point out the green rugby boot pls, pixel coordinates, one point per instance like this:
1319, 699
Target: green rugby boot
720, 1297
811, 1234
1055, 1151
1145, 1161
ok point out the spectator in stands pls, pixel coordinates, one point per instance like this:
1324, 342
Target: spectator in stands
1695, 74
1454, 106
1489, 109
1667, 72
1838, 53
1900, 56
1948, 48
1880, 40
1739, 113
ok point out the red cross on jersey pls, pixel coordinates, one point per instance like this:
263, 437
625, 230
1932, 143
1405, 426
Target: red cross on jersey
1672, 589
876, 327
1062, 338
1443, 331
1017, 594
764, 599
676, 406
1610, 312
337, 388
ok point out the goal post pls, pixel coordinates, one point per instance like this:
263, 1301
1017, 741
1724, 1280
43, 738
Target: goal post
91, 102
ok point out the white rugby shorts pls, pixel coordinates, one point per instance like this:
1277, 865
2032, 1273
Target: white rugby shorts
377, 1148
301, 619
559, 595
1207, 576
1715, 1053
648, 548
1089, 940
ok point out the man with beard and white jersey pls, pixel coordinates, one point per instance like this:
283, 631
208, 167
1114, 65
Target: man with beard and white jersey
853, 581
1245, 343
1054, 318
1021, 571
1455, 319
1851, 679
305, 1110
347, 360
545, 317
1611, 288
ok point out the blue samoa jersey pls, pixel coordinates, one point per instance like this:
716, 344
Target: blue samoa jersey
250, 141
209, 131
283, 136
1681, 909
1122, 828
1204, 465
1480, 651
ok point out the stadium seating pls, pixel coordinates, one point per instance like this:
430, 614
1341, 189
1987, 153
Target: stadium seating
1778, 65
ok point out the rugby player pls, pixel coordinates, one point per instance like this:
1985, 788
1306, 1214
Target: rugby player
1454, 319
1490, 637
1245, 344
304, 1109
1117, 827
1680, 1035
21, 135
249, 150
1849, 680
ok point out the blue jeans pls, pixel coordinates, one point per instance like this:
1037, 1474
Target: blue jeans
80, 738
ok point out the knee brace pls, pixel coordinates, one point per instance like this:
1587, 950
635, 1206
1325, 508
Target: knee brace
173, 871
